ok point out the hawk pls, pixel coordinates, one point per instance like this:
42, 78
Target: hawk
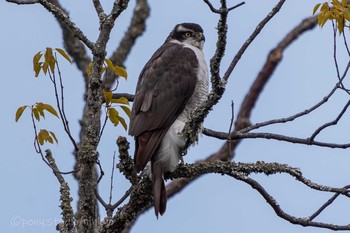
171, 84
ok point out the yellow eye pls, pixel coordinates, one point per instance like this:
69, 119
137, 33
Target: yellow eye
187, 34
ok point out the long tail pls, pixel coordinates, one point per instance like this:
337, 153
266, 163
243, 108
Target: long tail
159, 192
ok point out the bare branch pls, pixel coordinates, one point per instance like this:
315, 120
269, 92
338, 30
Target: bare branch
238, 135
221, 10
58, 13
23, 2
278, 210
130, 97
251, 38
99, 10
241, 171
325, 205
328, 124
235, 6
212, 8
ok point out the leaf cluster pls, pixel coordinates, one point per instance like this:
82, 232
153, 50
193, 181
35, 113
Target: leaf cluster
49, 61
108, 64
113, 114
335, 10
38, 111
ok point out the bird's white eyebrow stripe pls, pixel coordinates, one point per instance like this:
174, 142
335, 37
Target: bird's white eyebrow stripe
183, 29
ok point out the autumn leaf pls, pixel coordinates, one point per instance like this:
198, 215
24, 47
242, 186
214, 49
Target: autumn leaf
35, 112
126, 110
122, 121
113, 116
20, 111
120, 71
108, 96
121, 100
63, 54
51, 110
46, 136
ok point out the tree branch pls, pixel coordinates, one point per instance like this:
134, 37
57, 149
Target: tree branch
58, 13
23, 2
135, 30
241, 171
67, 210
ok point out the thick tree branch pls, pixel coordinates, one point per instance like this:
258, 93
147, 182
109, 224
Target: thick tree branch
239, 171
68, 224
58, 13
88, 155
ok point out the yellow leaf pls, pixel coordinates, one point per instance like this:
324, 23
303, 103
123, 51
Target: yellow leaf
46, 136
340, 25
36, 113
109, 64
347, 14
337, 5
40, 138
37, 68
344, 2
45, 67
316, 8
64, 54
325, 7
89, 69
19, 112
113, 116
50, 59
120, 71
54, 136
122, 121
108, 96
41, 111
121, 100
36, 63
51, 110
126, 110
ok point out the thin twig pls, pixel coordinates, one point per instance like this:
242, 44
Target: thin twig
235, 6
251, 38
328, 124
111, 184
60, 105
122, 199
230, 128
324, 206
57, 12
104, 125
212, 8
101, 172
278, 137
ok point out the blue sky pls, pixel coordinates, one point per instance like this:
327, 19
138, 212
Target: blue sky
30, 193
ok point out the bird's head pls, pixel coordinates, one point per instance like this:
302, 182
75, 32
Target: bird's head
188, 33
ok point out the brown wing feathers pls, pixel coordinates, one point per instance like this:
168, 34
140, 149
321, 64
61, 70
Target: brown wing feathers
165, 84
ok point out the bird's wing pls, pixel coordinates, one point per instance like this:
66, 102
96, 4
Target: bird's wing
165, 85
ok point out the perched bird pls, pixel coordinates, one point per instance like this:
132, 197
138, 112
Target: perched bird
171, 85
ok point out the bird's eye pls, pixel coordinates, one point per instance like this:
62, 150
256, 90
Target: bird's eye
188, 34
